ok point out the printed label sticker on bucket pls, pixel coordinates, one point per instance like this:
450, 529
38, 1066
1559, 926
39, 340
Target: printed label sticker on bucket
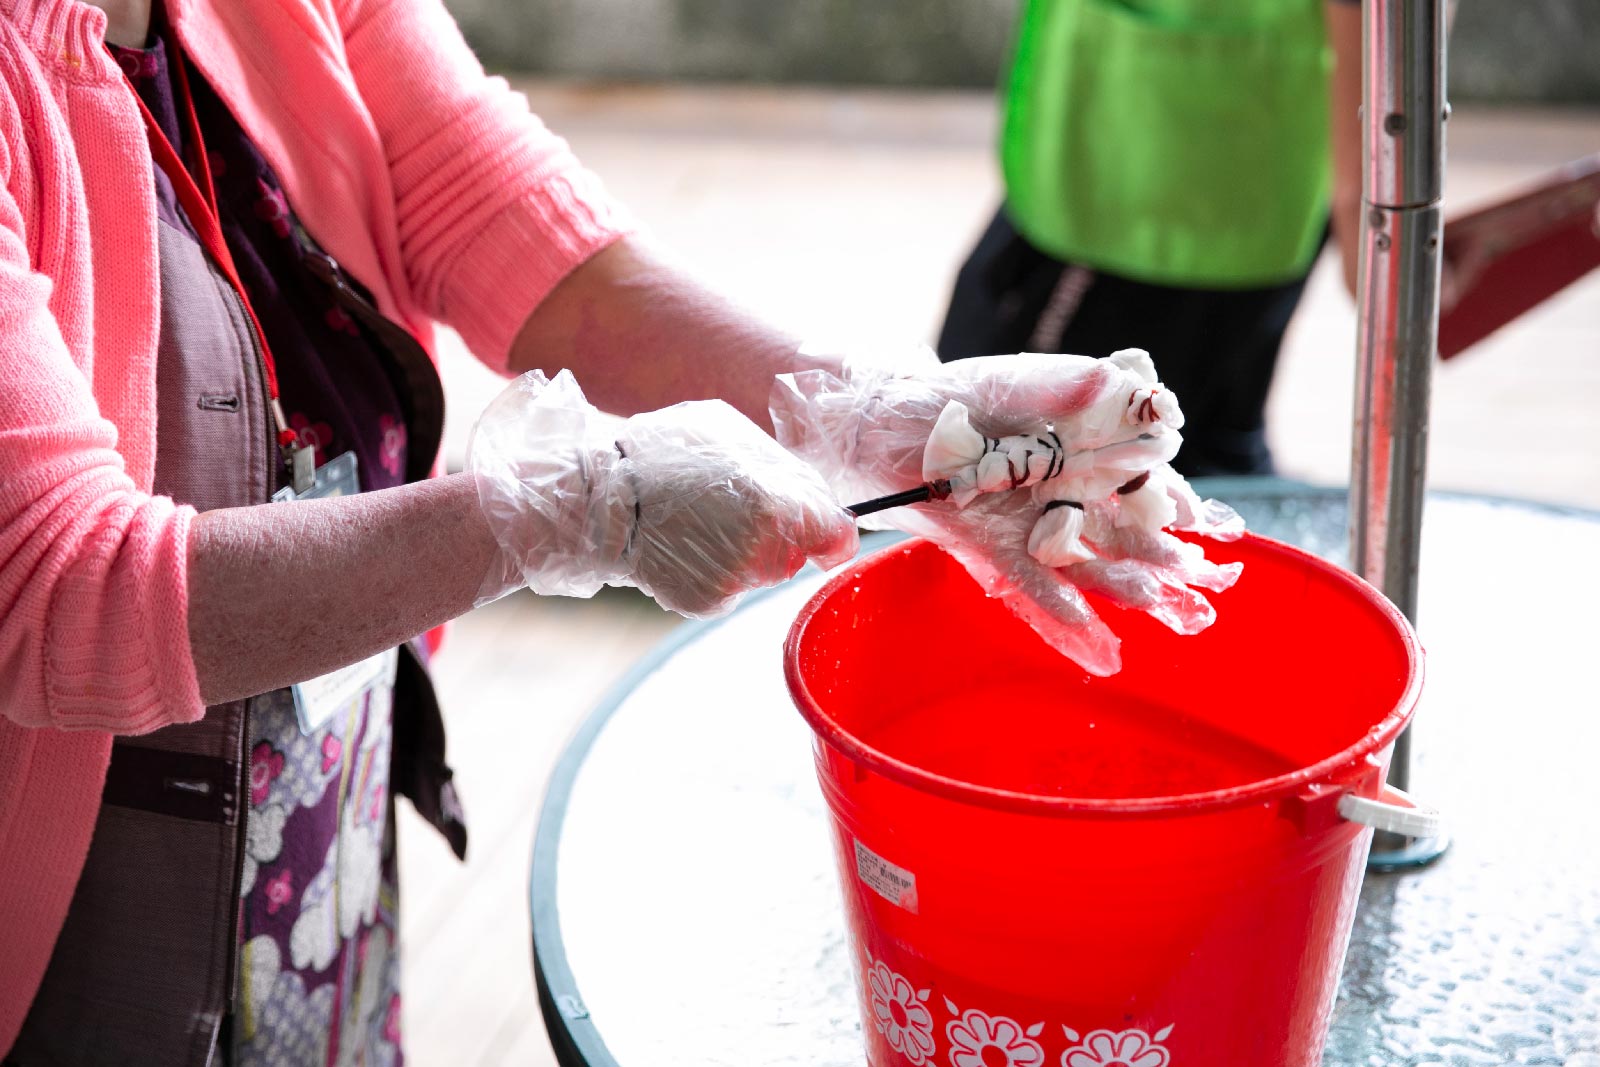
893, 883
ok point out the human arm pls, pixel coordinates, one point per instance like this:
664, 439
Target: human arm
639, 331
492, 210
92, 571
509, 240
634, 328
280, 593
675, 503
1343, 20
123, 612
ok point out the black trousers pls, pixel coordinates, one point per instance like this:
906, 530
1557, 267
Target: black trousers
1215, 348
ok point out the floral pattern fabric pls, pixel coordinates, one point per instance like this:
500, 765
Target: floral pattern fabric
319, 972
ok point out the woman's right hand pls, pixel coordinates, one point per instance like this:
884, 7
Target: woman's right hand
693, 504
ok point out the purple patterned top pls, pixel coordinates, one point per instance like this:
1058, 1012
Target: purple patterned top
335, 389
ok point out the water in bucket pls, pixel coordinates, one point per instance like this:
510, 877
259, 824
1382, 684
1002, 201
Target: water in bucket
1140, 871
1079, 744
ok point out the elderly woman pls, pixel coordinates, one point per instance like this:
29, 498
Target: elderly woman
226, 233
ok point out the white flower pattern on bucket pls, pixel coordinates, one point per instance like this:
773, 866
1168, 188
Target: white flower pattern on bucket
1129, 1048
899, 1014
979, 1040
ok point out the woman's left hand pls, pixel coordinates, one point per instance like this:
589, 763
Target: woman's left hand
866, 427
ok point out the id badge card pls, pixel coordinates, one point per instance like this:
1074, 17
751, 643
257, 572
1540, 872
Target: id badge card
318, 700
337, 477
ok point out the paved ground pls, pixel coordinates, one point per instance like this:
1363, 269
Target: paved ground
845, 215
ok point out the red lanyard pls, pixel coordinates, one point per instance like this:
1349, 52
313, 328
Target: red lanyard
200, 204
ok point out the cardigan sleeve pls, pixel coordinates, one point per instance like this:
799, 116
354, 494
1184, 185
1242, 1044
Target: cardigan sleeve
493, 209
93, 592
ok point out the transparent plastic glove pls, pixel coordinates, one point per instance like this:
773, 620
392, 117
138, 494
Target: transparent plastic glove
692, 504
866, 429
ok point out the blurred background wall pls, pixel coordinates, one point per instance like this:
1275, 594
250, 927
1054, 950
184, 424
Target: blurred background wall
1505, 51
827, 42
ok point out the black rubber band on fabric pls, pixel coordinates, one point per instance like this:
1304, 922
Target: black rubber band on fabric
1058, 460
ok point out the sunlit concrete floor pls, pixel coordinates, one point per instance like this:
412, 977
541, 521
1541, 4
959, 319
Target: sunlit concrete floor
843, 215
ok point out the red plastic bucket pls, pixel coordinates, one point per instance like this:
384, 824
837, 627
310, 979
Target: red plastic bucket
1158, 868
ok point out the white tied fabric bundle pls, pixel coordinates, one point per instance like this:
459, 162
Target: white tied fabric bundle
1124, 440
1055, 477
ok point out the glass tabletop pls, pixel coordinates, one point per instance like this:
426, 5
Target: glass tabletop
685, 909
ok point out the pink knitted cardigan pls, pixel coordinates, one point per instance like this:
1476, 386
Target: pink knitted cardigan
428, 180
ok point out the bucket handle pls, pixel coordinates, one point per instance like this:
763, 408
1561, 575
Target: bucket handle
1394, 811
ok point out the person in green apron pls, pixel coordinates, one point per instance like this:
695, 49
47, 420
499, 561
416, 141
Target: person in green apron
1169, 169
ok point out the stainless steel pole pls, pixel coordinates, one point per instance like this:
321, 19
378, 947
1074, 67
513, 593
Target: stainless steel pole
1403, 114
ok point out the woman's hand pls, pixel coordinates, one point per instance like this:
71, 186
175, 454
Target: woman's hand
693, 503
866, 428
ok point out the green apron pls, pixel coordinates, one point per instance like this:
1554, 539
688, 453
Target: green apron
1178, 142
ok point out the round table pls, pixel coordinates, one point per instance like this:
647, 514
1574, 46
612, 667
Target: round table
685, 908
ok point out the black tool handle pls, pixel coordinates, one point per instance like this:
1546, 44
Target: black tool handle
918, 495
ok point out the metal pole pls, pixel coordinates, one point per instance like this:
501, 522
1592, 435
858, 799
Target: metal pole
1403, 113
